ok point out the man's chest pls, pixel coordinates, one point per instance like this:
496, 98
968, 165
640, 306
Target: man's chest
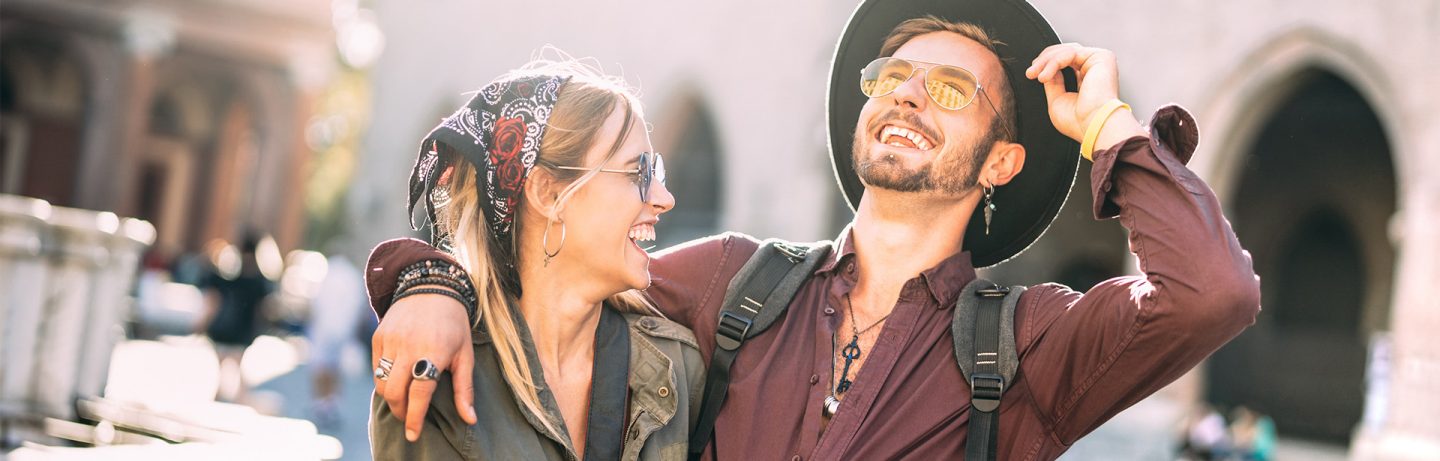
904, 387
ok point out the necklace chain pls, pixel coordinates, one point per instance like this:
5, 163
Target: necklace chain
851, 352
851, 307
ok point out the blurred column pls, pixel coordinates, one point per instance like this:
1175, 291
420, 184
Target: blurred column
107, 64
1408, 428
148, 36
310, 70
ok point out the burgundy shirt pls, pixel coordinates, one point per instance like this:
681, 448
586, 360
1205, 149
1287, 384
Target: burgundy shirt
1083, 357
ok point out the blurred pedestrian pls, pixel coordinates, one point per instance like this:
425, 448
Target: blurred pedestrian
1252, 435
234, 293
1206, 437
335, 313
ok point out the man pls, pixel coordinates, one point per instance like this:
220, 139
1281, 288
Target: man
930, 150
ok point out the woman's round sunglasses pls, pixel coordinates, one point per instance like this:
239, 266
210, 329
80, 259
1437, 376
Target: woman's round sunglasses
651, 168
949, 86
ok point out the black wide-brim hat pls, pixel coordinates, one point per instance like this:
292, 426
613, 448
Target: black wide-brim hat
1025, 206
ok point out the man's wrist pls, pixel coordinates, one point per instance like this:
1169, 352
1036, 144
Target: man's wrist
1121, 125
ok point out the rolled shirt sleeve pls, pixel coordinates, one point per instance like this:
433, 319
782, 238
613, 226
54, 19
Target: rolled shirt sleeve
1090, 355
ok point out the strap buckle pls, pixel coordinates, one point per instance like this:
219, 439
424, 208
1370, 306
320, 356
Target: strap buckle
993, 292
732, 330
792, 252
985, 390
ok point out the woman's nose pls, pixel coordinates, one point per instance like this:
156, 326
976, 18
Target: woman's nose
660, 197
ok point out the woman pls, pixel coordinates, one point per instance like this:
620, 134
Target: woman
540, 187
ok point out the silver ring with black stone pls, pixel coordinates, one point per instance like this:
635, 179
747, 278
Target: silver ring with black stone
424, 370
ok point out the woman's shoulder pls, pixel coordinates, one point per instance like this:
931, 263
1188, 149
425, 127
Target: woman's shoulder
660, 329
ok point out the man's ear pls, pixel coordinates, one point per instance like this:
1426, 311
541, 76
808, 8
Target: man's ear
542, 191
1006, 160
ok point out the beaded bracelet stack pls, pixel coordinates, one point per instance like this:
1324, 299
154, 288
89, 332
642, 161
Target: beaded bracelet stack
422, 277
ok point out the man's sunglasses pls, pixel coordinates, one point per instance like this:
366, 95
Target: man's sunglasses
950, 87
651, 168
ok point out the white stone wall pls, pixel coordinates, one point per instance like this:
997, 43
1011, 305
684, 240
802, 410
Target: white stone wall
761, 67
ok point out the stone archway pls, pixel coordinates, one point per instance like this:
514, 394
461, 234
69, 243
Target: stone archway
693, 159
1310, 197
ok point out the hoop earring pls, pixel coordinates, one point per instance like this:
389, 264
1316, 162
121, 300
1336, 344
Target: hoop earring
545, 243
989, 205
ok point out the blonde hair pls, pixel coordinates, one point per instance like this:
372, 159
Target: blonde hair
584, 103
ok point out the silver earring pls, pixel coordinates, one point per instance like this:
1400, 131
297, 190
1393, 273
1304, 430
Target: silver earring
545, 243
989, 205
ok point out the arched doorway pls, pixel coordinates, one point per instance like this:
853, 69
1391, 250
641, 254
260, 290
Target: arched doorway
1312, 204
43, 103
696, 177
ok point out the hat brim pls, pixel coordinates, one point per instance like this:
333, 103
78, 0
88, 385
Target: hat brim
1025, 207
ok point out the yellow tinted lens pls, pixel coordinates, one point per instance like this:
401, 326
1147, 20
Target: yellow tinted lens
951, 87
883, 76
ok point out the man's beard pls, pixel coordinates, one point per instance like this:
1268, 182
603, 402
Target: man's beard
957, 170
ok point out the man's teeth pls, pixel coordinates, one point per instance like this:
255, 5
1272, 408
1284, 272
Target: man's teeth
643, 232
915, 139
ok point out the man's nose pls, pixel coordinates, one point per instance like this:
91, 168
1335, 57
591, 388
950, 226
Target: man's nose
912, 91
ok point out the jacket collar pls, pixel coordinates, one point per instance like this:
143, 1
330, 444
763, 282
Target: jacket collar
650, 372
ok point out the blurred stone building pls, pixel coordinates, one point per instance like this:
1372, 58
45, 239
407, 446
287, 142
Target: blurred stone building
1319, 135
190, 114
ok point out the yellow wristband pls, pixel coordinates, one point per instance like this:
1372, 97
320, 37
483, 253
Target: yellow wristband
1097, 122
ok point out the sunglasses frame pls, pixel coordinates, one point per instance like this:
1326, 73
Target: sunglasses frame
914, 67
646, 170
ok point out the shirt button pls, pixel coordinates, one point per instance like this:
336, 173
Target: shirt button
829, 311
814, 379
664, 391
795, 458
648, 323
850, 267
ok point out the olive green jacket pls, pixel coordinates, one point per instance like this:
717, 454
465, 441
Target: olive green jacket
665, 384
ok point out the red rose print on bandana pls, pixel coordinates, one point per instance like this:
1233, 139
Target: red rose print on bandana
509, 138
509, 176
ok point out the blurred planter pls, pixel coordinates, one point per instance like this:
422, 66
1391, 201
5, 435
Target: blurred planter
65, 281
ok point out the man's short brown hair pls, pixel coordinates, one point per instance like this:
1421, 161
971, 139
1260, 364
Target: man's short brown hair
1002, 95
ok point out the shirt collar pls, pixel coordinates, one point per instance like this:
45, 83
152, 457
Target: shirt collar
844, 252
943, 281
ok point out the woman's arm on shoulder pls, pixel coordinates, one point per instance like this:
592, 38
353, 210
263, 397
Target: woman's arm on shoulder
688, 281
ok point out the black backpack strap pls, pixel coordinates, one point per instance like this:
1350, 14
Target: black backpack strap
984, 331
757, 296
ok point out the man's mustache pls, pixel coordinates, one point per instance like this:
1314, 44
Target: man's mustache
908, 117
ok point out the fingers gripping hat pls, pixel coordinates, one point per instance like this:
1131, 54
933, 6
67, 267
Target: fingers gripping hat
1028, 204
498, 131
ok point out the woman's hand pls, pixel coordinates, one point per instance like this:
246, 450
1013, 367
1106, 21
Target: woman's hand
427, 326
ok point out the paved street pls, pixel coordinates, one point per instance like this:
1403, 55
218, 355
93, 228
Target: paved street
1144, 432
284, 382
293, 391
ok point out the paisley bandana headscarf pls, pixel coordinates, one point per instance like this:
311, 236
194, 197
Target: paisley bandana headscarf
499, 131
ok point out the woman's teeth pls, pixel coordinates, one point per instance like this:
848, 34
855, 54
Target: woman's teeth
642, 232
